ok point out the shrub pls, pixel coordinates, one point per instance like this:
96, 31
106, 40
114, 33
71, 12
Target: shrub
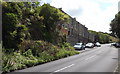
46, 56
13, 61
67, 46
39, 52
60, 54
25, 45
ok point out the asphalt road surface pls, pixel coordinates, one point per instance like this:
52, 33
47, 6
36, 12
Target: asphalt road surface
97, 59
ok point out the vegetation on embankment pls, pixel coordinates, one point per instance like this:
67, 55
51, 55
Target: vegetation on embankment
103, 37
37, 52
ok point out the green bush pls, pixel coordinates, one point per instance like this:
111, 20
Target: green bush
25, 45
30, 63
60, 54
28, 53
38, 53
67, 46
46, 56
13, 61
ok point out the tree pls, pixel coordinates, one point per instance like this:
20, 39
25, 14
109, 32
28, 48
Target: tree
115, 25
12, 30
9, 26
101, 37
51, 16
23, 20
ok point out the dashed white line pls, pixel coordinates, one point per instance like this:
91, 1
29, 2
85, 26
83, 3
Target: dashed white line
64, 68
71, 65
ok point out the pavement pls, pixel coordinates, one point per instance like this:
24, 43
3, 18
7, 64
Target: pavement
97, 59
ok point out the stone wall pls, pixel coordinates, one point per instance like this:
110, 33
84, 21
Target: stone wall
77, 32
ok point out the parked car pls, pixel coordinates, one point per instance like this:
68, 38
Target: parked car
113, 44
89, 45
97, 44
79, 46
117, 45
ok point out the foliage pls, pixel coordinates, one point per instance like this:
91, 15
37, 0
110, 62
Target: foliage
46, 52
39, 22
13, 34
104, 38
101, 37
12, 62
15, 61
51, 17
115, 25
113, 39
9, 26
65, 53
66, 46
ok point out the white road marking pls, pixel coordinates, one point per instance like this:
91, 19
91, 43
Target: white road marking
90, 57
64, 68
70, 65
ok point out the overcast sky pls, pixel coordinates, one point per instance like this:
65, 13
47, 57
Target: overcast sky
94, 14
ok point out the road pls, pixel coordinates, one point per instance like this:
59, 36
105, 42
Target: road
98, 59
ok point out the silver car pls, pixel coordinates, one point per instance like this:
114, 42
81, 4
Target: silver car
79, 46
89, 45
97, 44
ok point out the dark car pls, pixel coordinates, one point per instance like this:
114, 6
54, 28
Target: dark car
79, 46
117, 45
113, 44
